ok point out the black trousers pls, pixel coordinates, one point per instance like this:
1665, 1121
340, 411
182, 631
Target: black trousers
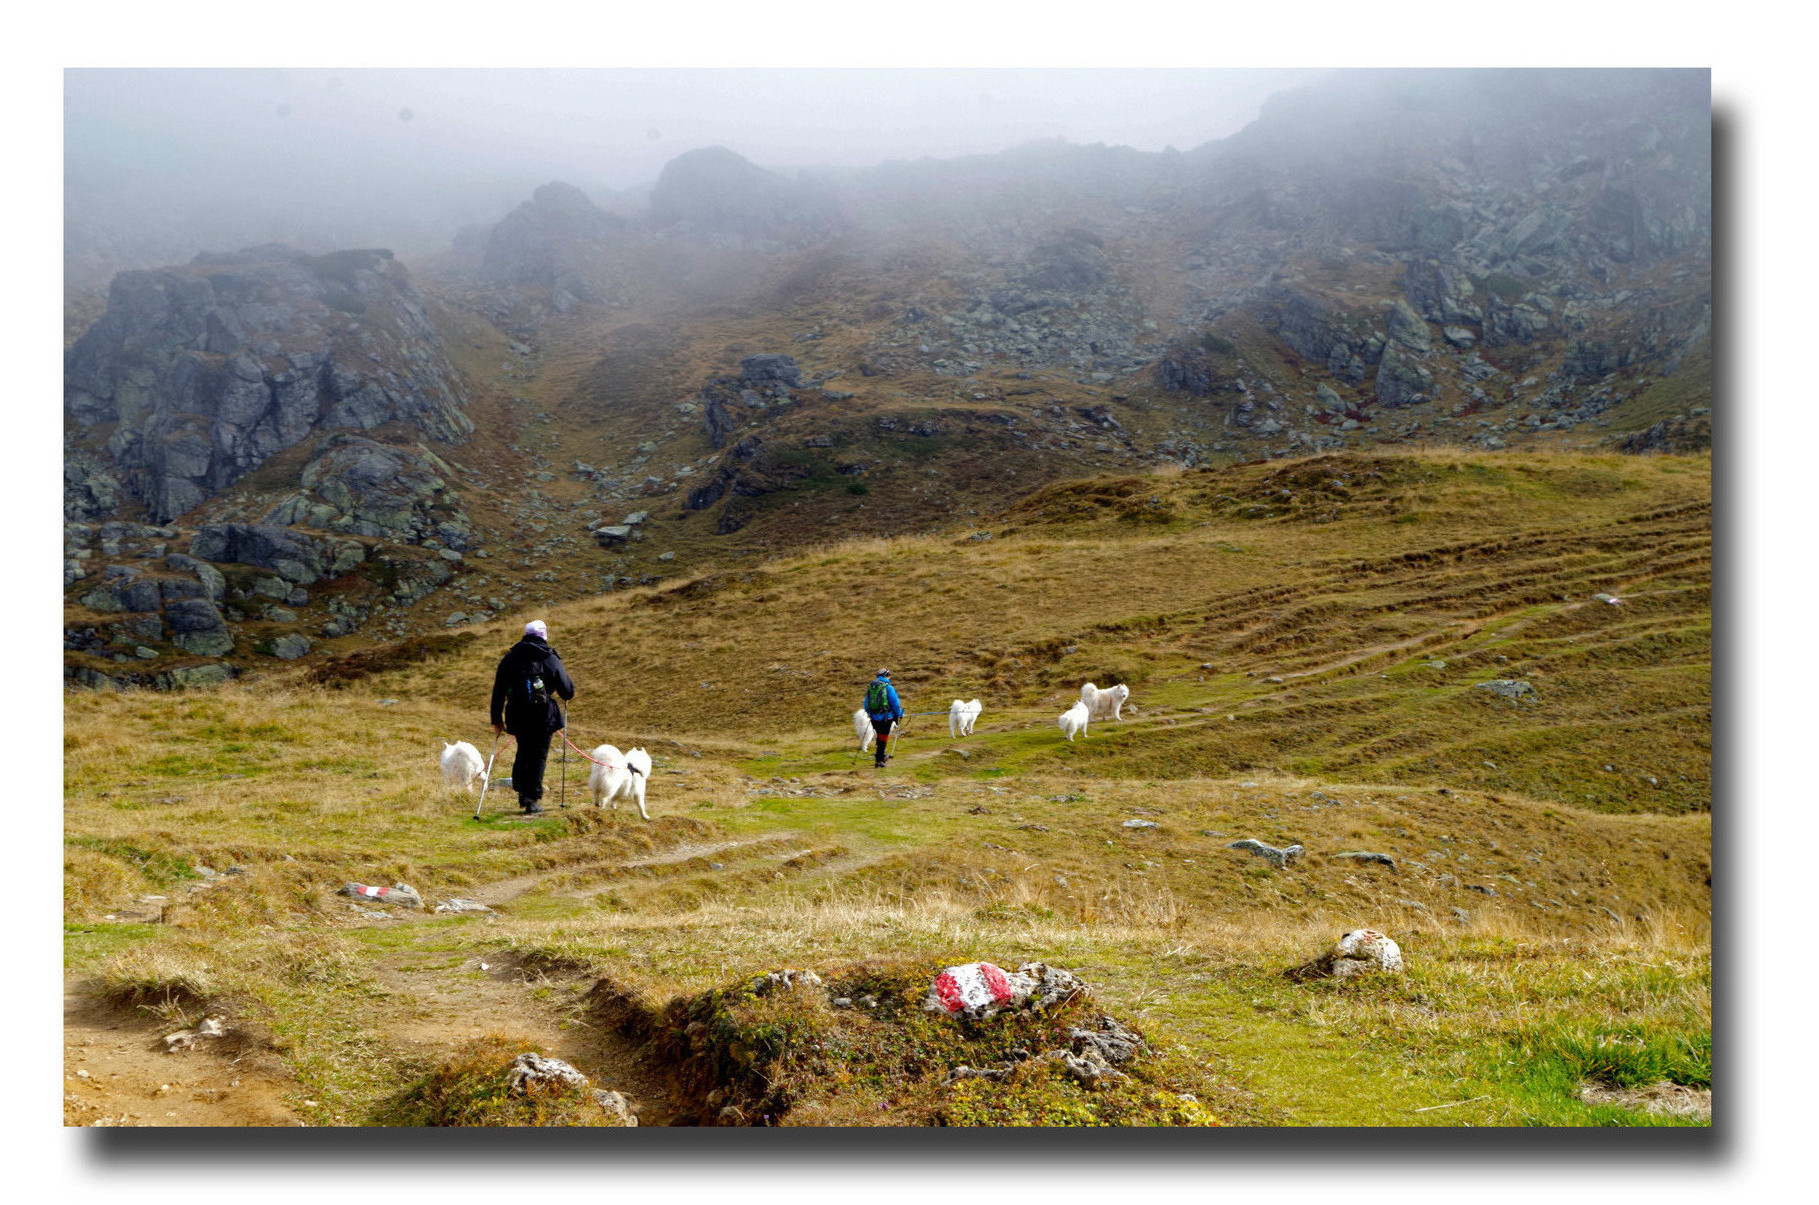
883, 729
527, 765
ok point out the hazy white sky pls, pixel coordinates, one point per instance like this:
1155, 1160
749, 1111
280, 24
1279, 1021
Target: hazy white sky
618, 127
160, 163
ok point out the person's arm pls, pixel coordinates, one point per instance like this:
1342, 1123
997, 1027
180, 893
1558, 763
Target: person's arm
565, 686
896, 704
498, 704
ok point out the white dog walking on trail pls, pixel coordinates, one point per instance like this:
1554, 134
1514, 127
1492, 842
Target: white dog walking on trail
1106, 703
862, 727
961, 717
619, 775
462, 766
1074, 719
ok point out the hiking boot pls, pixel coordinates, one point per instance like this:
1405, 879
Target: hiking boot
530, 807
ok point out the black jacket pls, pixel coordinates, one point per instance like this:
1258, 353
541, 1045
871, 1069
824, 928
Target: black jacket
529, 658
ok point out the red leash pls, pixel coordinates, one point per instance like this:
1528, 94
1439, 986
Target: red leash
584, 757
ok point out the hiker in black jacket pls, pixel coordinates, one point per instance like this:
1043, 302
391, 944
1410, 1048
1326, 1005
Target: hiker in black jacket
529, 680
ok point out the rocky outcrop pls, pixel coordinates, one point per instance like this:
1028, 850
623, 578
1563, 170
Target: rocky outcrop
1690, 432
384, 491
204, 372
765, 381
1518, 322
291, 555
716, 191
1441, 293
539, 242
1202, 366
1344, 341
1072, 262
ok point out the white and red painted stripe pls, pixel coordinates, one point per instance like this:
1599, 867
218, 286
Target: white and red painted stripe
974, 985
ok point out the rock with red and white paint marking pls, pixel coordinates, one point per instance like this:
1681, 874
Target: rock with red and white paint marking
1355, 953
401, 894
983, 989
976, 989
1369, 947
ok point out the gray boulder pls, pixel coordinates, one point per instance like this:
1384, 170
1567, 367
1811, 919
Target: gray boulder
1407, 328
213, 583
771, 366
1508, 688
197, 627
290, 646
1402, 380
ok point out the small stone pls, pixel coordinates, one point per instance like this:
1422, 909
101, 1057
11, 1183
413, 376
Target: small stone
1363, 855
1279, 858
1139, 824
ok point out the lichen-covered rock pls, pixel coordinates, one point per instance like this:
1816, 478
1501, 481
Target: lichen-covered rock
1508, 688
537, 1071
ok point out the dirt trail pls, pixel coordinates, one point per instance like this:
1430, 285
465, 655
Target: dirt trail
504, 891
117, 1073
448, 1005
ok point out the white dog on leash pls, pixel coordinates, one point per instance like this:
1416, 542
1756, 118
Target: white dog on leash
462, 766
862, 728
961, 717
619, 775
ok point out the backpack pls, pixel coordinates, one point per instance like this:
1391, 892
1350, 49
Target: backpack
877, 698
536, 694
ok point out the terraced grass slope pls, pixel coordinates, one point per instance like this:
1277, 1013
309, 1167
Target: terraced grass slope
1544, 862
1326, 616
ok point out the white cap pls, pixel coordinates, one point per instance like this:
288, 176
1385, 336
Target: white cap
536, 627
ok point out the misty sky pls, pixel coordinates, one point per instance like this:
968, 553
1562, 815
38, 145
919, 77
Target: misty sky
403, 157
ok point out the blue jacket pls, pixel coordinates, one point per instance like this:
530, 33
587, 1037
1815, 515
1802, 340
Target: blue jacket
895, 710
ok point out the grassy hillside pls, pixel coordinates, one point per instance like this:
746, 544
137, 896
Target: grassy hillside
1282, 628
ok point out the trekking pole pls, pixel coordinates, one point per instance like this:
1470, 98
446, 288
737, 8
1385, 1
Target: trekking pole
564, 716
488, 780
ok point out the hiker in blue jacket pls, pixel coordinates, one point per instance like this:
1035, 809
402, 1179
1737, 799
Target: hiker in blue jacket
884, 708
